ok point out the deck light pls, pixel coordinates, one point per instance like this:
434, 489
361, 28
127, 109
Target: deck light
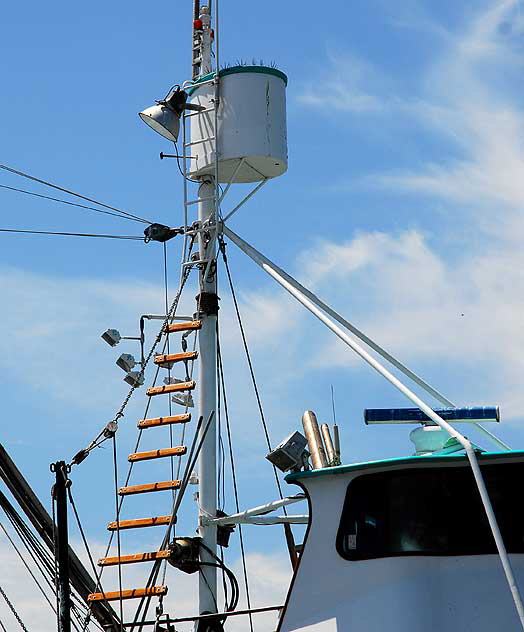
164, 117
126, 362
291, 454
112, 337
134, 378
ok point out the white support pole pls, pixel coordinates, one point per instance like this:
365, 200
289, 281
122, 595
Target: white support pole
257, 511
359, 334
375, 364
207, 398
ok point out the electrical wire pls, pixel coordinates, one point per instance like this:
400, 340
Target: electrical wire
61, 201
48, 232
78, 195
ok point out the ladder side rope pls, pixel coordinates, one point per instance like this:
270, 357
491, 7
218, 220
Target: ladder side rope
196, 446
12, 608
234, 476
169, 317
118, 543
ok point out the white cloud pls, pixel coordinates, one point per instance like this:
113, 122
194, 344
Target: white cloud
269, 576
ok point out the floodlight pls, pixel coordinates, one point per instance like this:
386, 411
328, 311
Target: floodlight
112, 337
163, 120
134, 378
291, 454
164, 117
185, 399
126, 362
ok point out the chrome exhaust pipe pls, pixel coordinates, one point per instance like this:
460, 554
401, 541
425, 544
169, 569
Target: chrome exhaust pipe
316, 447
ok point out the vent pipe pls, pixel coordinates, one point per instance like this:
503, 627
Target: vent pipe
316, 447
330, 450
336, 439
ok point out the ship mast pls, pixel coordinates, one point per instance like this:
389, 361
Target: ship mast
207, 310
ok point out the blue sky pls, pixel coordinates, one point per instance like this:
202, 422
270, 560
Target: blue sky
401, 207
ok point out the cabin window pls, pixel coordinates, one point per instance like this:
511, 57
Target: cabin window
430, 511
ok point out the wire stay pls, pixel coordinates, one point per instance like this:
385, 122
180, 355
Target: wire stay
78, 195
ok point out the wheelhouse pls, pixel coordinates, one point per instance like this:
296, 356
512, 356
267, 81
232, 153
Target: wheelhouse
405, 545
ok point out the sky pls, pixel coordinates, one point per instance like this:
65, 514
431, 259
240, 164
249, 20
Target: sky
401, 208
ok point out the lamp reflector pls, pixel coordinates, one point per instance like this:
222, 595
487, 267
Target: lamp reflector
163, 120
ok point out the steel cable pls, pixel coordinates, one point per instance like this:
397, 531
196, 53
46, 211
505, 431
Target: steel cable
78, 195
61, 201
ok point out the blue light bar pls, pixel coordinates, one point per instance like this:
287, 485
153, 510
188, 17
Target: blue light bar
416, 416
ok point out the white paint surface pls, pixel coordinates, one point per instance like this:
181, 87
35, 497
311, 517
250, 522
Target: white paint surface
251, 125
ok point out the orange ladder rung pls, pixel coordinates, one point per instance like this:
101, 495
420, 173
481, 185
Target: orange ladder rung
134, 558
167, 360
157, 454
163, 421
148, 487
190, 325
153, 591
139, 522
171, 388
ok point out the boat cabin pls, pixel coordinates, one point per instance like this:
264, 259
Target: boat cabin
404, 545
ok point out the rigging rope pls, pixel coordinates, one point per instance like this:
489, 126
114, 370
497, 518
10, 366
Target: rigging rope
193, 455
27, 567
12, 608
88, 551
234, 476
63, 234
106, 432
287, 528
82, 197
117, 510
53, 199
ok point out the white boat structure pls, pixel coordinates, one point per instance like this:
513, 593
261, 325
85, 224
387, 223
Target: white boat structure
429, 542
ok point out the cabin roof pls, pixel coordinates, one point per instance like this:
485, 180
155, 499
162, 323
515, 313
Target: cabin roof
409, 460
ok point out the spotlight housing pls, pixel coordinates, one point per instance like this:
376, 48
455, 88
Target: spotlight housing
290, 454
112, 337
126, 362
134, 378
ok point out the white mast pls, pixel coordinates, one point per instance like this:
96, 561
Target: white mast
207, 305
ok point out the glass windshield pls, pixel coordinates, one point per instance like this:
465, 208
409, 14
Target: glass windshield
430, 511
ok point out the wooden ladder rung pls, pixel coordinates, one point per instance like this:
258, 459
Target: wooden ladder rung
139, 522
153, 591
134, 558
148, 487
188, 325
167, 360
157, 454
164, 421
171, 388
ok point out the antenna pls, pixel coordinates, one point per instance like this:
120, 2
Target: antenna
336, 436
333, 405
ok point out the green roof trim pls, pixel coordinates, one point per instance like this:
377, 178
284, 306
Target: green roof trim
410, 460
234, 70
